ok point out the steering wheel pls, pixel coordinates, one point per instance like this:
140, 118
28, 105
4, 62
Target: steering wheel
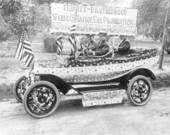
84, 50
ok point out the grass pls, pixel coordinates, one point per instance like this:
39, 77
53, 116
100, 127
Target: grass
162, 80
6, 92
146, 43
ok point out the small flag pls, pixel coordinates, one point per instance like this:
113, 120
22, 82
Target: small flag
74, 25
24, 50
73, 28
59, 44
72, 41
72, 38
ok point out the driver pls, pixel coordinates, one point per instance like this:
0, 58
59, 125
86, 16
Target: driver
101, 48
86, 41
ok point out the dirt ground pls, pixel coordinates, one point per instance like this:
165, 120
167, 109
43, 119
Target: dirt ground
72, 119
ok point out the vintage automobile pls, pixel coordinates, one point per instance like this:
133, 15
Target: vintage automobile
95, 80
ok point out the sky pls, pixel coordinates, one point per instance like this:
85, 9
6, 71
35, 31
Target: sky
125, 3
119, 3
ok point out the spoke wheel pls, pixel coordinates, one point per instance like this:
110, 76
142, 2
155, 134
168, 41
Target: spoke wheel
139, 90
20, 88
41, 99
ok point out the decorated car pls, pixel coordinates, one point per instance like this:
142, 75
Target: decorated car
96, 75
95, 80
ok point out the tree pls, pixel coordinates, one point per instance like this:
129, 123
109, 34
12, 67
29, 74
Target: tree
151, 14
165, 34
156, 15
17, 16
8, 10
10, 14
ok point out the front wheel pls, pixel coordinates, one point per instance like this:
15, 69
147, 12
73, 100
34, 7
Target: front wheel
139, 90
41, 99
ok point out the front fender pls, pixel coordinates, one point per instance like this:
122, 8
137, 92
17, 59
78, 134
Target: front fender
63, 86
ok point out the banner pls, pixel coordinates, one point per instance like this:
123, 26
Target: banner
93, 19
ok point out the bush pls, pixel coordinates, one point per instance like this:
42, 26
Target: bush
50, 43
4, 34
6, 92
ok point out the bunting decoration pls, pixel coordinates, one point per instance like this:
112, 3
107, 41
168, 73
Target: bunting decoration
97, 69
103, 97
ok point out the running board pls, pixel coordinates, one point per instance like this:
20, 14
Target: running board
71, 97
93, 85
96, 87
94, 98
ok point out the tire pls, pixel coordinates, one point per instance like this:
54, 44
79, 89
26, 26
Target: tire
19, 88
41, 99
139, 90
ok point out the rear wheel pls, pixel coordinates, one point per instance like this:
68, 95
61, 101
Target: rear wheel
41, 99
20, 88
139, 90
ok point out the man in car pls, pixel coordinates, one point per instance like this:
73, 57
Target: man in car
100, 48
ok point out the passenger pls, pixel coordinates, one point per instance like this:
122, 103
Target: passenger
124, 46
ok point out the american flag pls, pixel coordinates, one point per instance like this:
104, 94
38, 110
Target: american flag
24, 51
72, 38
73, 28
73, 43
59, 44
74, 25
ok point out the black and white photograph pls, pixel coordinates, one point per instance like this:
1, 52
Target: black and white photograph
84, 67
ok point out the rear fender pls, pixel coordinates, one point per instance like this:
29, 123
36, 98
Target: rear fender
141, 71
